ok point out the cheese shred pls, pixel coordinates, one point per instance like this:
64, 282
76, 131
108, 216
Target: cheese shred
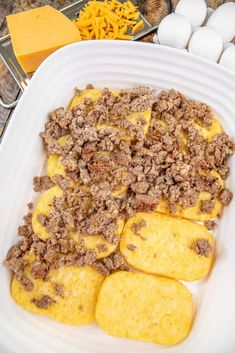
109, 19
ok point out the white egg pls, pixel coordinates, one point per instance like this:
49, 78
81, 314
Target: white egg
228, 58
223, 21
209, 12
194, 10
226, 45
207, 43
174, 31
155, 39
194, 29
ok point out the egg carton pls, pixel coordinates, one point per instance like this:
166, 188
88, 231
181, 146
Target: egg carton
72, 12
200, 30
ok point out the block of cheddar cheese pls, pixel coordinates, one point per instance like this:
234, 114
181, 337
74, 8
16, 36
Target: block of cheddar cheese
39, 32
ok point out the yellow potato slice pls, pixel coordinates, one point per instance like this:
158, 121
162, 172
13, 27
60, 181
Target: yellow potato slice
54, 167
77, 307
96, 242
133, 118
29, 257
163, 124
145, 308
120, 192
120, 188
165, 246
92, 94
209, 132
93, 242
44, 206
53, 162
113, 129
194, 213
146, 115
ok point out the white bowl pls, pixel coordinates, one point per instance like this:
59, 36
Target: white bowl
115, 64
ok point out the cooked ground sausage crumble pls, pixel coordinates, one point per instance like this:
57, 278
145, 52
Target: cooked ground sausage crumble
106, 153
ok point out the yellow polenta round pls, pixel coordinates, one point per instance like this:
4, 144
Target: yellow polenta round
96, 242
54, 165
144, 307
44, 206
93, 94
194, 213
210, 131
81, 287
165, 246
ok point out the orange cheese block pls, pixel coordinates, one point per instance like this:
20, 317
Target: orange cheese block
39, 32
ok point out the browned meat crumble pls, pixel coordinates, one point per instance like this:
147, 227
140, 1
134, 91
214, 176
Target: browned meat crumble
101, 247
44, 302
59, 289
171, 163
42, 183
207, 206
131, 247
226, 197
210, 225
136, 227
202, 247
112, 263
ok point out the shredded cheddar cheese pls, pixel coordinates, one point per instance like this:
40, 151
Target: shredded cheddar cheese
109, 19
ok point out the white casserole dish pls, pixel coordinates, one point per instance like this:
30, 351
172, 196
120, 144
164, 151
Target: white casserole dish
115, 64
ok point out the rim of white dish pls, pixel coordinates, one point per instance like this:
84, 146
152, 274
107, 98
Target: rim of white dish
134, 43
